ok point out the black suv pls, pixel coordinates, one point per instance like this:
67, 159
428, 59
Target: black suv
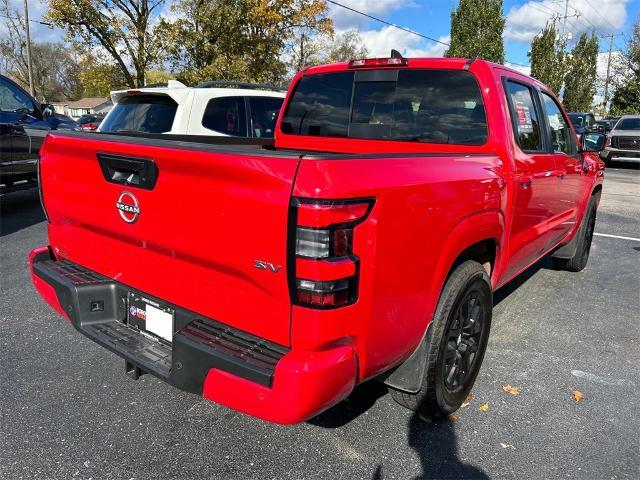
24, 122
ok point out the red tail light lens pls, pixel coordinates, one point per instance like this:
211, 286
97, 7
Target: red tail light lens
324, 233
335, 293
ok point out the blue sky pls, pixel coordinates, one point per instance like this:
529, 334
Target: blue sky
432, 18
524, 20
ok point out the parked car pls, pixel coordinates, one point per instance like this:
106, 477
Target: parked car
603, 126
582, 122
62, 121
24, 122
90, 122
228, 109
364, 242
623, 142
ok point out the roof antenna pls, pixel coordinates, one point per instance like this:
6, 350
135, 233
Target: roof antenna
395, 53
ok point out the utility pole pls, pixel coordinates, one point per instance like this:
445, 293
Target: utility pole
564, 17
606, 81
29, 65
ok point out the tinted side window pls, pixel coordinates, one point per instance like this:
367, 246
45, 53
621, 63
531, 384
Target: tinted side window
13, 99
226, 115
526, 124
559, 131
264, 113
141, 113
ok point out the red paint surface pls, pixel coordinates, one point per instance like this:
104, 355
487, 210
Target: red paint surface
212, 214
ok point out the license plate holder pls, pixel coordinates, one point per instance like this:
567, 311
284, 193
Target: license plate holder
151, 316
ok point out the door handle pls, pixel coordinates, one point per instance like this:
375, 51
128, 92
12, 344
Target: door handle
125, 170
525, 180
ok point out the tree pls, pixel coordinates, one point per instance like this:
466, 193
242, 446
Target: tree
580, 80
55, 66
476, 30
238, 39
626, 98
328, 48
122, 28
99, 77
548, 58
346, 46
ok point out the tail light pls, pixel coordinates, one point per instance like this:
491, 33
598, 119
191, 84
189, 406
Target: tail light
325, 271
378, 62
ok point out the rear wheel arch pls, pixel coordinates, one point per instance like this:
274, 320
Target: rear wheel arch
476, 238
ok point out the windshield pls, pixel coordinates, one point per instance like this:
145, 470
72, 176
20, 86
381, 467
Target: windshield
436, 106
628, 124
141, 113
577, 120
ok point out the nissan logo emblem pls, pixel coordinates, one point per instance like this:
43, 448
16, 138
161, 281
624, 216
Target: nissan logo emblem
128, 207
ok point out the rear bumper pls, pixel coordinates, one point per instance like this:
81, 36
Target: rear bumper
225, 365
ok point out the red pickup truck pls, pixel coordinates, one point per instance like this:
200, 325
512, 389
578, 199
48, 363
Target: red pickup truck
363, 243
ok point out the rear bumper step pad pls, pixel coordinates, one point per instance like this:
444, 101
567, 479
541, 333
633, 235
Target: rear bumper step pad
199, 344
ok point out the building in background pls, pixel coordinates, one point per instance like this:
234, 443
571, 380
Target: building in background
86, 106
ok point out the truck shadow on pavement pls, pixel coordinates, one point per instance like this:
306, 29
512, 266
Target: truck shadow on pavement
434, 441
19, 210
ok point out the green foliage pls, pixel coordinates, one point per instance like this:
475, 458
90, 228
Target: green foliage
476, 30
548, 58
99, 78
122, 28
346, 46
238, 39
626, 98
581, 77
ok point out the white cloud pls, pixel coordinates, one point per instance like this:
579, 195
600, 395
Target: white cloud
525, 21
343, 18
380, 42
519, 68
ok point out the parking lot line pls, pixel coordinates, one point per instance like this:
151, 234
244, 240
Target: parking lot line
617, 236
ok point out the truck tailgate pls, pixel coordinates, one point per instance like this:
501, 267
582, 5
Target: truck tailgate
192, 238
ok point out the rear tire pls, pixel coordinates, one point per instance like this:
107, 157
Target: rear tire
578, 262
455, 343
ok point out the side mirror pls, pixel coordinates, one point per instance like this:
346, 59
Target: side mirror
592, 142
47, 110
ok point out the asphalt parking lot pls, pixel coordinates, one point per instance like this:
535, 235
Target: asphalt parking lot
67, 410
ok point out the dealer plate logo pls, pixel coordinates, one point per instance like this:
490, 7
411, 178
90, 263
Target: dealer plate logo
128, 207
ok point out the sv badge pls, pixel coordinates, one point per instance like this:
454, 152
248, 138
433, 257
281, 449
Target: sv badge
262, 265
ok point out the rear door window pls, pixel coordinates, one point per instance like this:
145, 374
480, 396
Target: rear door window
525, 116
226, 115
264, 114
141, 113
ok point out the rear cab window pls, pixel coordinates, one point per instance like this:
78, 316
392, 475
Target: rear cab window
141, 113
413, 105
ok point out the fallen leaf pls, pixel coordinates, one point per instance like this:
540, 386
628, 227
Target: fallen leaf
577, 395
484, 407
467, 400
511, 390
453, 417
506, 445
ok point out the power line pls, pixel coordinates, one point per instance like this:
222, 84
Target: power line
388, 23
403, 28
30, 20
